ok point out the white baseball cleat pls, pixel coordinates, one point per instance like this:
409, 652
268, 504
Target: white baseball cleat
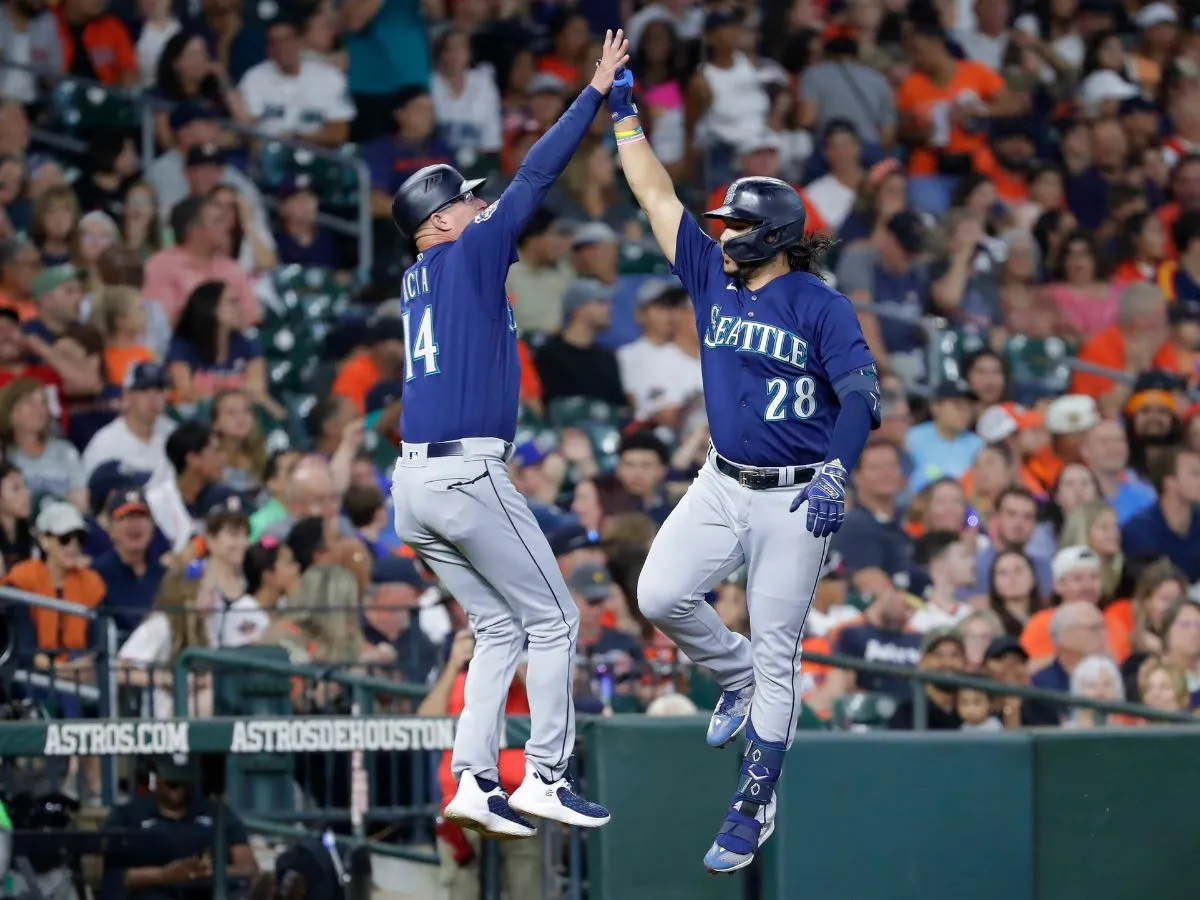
557, 800
485, 808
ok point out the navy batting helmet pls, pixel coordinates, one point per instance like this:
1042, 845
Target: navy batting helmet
774, 209
425, 192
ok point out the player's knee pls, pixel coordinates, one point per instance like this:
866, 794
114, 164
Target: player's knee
658, 596
559, 624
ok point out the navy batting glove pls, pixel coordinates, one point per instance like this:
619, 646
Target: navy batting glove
620, 97
826, 496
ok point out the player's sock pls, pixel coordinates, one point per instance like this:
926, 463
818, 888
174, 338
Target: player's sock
486, 784
762, 764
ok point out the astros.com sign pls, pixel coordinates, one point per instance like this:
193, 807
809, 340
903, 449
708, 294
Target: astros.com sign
304, 735
116, 738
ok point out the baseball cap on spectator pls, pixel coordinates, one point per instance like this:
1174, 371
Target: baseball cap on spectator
146, 376
229, 512
294, 184
545, 83
591, 582
384, 328
384, 394
1157, 13
50, 278
206, 155
113, 476
951, 389
720, 18
935, 637
1137, 104
1071, 414
759, 139
662, 292
392, 569
126, 503
1002, 646
59, 518
528, 454
177, 769
1182, 311
1004, 419
186, 113
1102, 86
583, 291
593, 233
571, 538
908, 230
1070, 559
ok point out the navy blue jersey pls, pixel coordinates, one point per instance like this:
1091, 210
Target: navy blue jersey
770, 357
462, 374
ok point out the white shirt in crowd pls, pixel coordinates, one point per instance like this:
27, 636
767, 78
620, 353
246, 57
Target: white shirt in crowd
932, 616
832, 199
822, 624
116, 442
739, 102
237, 625
150, 45
657, 376
470, 121
171, 514
296, 104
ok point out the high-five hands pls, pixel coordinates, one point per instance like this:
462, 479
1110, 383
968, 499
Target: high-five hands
620, 98
614, 56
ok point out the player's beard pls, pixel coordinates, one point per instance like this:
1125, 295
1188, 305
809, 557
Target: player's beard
743, 272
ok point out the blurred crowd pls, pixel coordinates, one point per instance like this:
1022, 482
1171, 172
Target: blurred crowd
1015, 193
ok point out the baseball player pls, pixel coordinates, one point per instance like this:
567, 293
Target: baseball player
792, 395
454, 503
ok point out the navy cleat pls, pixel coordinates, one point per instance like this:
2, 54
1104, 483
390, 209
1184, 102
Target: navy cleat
730, 717
557, 800
482, 806
751, 816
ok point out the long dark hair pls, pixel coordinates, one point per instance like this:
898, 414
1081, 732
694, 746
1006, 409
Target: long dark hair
806, 256
1012, 625
167, 81
198, 322
672, 68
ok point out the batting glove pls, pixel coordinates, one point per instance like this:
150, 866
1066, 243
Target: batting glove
826, 496
620, 97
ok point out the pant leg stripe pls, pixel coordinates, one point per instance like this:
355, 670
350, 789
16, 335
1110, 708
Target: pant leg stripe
800, 638
570, 668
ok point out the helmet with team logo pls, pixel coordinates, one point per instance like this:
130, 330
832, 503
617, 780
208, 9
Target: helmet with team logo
774, 209
427, 191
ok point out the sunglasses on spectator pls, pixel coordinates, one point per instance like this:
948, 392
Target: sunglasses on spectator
72, 537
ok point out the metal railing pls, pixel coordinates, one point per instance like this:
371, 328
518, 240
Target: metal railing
919, 679
148, 105
930, 326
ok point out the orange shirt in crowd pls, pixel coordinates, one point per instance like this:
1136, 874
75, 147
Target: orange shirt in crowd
25, 309
108, 46
512, 760
1036, 641
55, 630
531, 382
1040, 471
1121, 624
355, 379
1010, 188
117, 361
925, 100
813, 223
1107, 348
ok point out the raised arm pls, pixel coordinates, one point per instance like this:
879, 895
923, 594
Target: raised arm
547, 159
648, 179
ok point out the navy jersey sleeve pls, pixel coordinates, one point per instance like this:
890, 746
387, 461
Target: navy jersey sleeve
841, 347
490, 242
697, 257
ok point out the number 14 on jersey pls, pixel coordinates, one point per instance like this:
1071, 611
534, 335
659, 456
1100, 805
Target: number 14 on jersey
420, 348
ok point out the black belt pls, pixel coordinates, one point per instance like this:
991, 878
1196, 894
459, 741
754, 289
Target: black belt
441, 449
757, 479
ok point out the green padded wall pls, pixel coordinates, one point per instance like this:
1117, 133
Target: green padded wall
667, 791
878, 816
1118, 816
